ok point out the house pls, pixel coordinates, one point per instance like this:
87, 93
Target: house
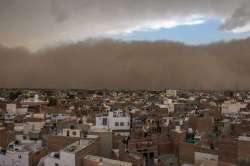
22, 153
117, 120
73, 154
232, 107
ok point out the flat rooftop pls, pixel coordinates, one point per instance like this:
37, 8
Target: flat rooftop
78, 145
106, 162
244, 138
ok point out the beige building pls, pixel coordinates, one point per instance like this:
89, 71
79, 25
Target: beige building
90, 160
73, 154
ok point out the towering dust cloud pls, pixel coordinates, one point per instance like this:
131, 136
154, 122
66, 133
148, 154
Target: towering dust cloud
133, 65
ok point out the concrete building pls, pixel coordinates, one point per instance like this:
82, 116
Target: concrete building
11, 108
244, 150
171, 93
33, 125
71, 133
106, 141
232, 107
35, 101
16, 109
117, 120
26, 153
73, 154
90, 160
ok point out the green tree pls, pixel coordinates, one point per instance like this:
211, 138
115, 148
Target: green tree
52, 101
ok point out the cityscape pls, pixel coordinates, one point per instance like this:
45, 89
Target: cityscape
124, 128
124, 83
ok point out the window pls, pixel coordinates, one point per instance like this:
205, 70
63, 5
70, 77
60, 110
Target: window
74, 132
19, 156
116, 123
104, 121
56, 164
121, 123
122, 114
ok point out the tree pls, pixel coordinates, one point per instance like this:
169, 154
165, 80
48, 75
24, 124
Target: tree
14, 95
52, 101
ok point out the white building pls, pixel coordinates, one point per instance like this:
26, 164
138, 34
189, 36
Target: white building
14, 158
58, 117
35, 101
19, 153
232, 107
71, 133
171, 93
115, 120
22, 110
167, 104
11, 108
9, 117
72, 155
27, 127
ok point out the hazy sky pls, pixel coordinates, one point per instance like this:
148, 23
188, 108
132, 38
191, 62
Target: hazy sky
38, 23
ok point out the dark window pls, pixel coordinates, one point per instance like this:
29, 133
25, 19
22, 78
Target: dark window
105, 121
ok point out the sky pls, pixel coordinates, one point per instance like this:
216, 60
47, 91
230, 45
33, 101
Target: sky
203, 33
135, 44
38, 24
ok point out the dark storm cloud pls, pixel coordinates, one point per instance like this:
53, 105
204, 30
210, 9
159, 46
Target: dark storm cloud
136, 65
34, 23
240, 18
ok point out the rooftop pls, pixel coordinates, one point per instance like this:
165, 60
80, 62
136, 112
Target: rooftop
244, 138
107, 162
77, 146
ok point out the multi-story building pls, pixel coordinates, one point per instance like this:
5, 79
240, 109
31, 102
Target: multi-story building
232, 107
26, 153
117, 120
73, 154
